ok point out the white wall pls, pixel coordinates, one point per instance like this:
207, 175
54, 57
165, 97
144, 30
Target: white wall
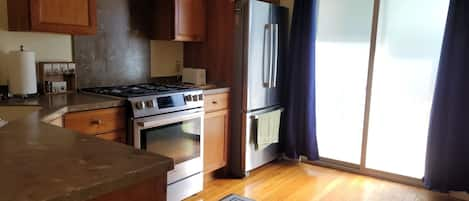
48, 47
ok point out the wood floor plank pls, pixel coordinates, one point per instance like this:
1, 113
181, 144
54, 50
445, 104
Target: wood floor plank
291, 181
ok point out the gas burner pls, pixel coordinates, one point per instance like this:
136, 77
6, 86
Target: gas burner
147, 89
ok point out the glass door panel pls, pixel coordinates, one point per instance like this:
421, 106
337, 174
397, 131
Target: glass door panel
409, 40
180, 141
342, 56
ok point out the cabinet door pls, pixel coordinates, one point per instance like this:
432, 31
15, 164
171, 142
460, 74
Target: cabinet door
215, 140
74, 17
190, 17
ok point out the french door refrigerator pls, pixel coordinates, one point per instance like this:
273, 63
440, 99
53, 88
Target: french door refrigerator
260, 41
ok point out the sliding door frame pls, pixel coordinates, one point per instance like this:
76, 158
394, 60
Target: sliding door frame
361, 168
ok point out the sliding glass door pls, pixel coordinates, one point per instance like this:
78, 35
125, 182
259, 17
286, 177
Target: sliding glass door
375, 86
408, 47
342, 52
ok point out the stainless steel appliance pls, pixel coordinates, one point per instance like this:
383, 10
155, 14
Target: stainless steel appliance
261, 37
167, 120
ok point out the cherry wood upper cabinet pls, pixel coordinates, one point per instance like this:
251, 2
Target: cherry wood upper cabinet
179, 20
77, 17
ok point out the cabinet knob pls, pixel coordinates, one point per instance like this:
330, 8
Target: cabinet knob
214, 102
96, 121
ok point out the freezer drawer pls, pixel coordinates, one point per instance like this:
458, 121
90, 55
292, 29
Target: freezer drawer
256, 158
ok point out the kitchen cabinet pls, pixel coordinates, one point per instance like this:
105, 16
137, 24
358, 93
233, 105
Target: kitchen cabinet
216, 132
153, 189
216, 53
77, 17
108, 124
179, 20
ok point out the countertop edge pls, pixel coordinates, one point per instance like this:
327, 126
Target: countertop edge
59, 112
216, 90
110, 186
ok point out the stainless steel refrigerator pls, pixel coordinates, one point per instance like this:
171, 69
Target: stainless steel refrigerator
261, 40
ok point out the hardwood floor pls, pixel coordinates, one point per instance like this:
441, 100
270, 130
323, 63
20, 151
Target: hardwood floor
297, 182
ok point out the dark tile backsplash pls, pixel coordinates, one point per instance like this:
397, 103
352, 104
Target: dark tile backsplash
119, 53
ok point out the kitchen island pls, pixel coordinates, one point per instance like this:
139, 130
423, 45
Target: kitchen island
41, 162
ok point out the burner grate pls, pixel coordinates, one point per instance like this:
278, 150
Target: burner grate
138, 90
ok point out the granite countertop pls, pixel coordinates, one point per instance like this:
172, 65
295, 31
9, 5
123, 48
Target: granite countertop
41, 162
215, 89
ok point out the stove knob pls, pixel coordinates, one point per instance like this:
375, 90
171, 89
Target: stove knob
188, 98
150, 104
140, 105
201, 97
195, 98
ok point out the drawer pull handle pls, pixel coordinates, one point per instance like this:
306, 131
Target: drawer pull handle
214, 102
97, 122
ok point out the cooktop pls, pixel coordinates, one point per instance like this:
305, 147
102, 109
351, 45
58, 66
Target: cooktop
138, 90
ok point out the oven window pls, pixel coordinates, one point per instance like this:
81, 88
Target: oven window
180, 141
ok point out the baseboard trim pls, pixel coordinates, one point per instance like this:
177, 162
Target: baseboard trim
459, 195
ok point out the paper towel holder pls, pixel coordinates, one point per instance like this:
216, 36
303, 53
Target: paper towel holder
22, 74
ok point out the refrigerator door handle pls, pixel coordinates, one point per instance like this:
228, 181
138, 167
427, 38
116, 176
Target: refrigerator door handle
271, 53
266, 52
275, 55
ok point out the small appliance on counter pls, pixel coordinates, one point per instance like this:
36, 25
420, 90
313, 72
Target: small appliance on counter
22, 73
195, 76
57, 77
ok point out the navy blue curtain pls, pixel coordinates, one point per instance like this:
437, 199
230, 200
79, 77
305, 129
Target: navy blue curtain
300, 127
447, 162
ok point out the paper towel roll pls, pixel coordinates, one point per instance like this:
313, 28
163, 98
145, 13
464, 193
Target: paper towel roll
22, 73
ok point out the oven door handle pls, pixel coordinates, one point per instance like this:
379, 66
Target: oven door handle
167, 119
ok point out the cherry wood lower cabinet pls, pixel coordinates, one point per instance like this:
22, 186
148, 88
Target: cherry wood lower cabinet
216, 132
153, 189
109, 124
216, 140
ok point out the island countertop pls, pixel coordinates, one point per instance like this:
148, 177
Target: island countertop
41, 162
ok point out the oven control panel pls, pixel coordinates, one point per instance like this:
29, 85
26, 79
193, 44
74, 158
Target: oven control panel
166, 103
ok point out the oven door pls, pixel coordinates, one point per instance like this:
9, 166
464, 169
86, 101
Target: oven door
175, 135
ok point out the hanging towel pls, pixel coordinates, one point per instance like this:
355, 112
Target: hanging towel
268, 126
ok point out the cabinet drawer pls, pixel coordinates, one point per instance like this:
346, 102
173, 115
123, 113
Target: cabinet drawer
216, 102
96, 121
117, 136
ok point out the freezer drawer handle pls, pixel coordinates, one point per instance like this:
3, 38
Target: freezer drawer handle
257, 116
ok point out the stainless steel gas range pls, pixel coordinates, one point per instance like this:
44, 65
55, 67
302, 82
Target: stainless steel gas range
167, 120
